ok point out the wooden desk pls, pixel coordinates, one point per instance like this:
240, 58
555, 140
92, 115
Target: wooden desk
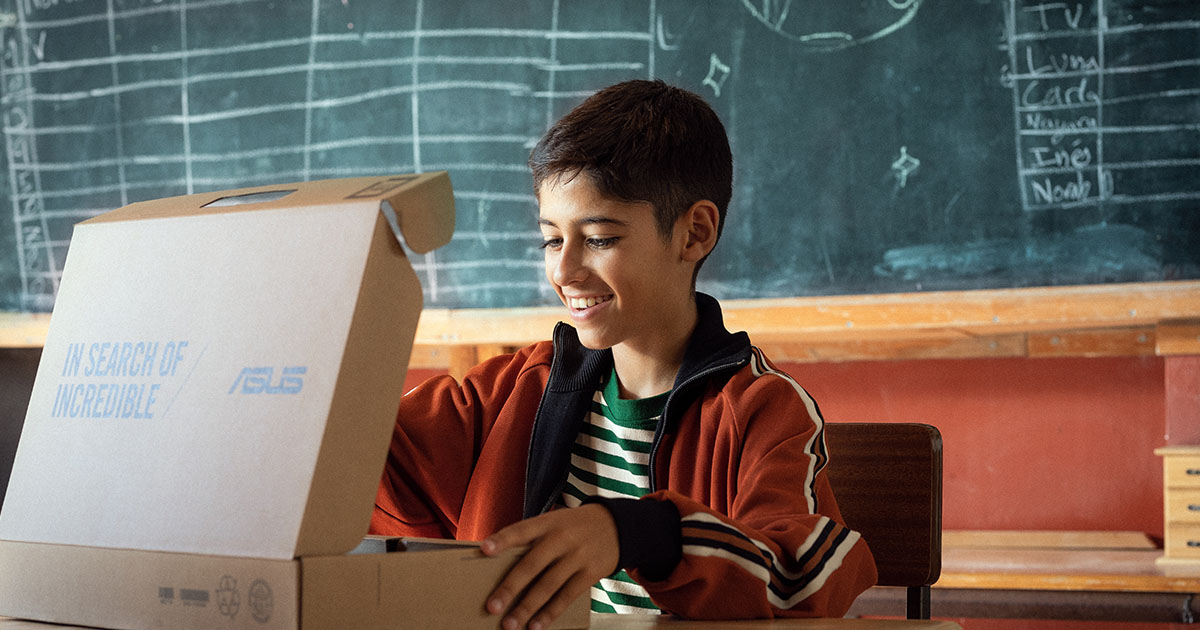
643, 622
1052, 575
646, 622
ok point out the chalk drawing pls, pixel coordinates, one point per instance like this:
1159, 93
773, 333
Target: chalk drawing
904, 166
823, 26
651, 48
663, 36
718, 72
309, 75
167, 92
185, 107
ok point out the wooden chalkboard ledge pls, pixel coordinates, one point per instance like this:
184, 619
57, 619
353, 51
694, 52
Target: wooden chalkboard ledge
1157, 318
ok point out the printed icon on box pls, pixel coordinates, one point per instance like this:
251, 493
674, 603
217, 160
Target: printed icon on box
262, 380
194, 597
260, 600
228, 600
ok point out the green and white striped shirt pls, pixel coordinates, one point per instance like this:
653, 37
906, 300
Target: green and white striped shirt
611, 458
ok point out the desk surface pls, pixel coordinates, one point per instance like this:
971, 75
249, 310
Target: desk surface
647, 622
1093, 576
1059, 561
1061, 570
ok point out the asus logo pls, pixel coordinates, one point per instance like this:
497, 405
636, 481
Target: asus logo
261, 380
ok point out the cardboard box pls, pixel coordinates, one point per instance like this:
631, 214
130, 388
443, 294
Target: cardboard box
212, 412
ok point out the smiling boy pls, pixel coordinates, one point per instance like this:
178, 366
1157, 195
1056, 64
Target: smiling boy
644, 453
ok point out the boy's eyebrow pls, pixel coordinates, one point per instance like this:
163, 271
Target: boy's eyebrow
592, 220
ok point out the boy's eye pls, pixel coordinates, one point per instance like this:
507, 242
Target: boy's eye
601, 243
594, 242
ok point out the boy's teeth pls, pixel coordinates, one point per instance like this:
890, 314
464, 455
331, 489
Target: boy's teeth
585, 302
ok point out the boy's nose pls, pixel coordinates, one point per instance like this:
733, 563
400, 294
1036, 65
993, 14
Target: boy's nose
568, 267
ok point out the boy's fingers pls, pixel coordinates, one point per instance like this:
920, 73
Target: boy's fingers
549, 583
515, 535
519, 576
568, 550
575, 587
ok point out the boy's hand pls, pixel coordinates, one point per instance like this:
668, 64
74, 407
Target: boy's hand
569, 551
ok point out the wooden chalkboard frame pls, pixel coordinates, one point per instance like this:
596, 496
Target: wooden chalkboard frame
879, 147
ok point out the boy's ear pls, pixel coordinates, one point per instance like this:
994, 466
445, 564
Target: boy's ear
699, 225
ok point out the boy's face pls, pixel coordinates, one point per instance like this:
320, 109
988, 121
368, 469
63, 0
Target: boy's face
621, 282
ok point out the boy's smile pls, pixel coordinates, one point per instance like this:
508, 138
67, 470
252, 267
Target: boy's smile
580, 303
622, 282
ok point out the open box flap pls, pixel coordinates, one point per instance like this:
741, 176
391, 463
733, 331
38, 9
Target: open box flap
253, 419
419, 208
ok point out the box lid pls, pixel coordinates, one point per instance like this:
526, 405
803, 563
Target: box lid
223, 379
423, 226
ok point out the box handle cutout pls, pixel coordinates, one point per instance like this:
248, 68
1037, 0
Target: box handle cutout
249, 198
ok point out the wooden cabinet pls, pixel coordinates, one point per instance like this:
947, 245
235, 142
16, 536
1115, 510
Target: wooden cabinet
1181, 506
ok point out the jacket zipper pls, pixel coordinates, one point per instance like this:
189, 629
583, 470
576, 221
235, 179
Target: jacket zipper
658, 434
537, 417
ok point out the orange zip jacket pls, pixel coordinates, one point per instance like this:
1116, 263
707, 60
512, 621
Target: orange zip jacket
740, 522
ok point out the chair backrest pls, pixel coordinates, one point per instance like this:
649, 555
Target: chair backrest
888, 481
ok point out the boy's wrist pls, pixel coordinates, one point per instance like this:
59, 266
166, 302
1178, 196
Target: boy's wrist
648, 534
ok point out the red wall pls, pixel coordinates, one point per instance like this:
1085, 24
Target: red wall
1029, 443
1182, 378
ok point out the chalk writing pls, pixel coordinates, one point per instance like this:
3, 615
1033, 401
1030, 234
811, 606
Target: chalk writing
319, 98
1066, 91
1069, 12
37, 264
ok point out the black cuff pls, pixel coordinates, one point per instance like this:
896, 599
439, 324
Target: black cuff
648, 533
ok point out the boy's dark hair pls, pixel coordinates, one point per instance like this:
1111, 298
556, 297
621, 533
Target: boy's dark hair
646, 141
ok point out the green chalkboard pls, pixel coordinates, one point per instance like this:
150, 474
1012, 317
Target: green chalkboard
880, 145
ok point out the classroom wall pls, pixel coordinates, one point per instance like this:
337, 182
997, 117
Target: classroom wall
1029, 443
1065, 443
1061, 444
1181, 376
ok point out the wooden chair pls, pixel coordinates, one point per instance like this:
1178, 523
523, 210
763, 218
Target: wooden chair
888, 482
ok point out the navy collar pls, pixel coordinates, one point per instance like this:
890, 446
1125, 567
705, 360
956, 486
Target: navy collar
578, 367
576, 372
